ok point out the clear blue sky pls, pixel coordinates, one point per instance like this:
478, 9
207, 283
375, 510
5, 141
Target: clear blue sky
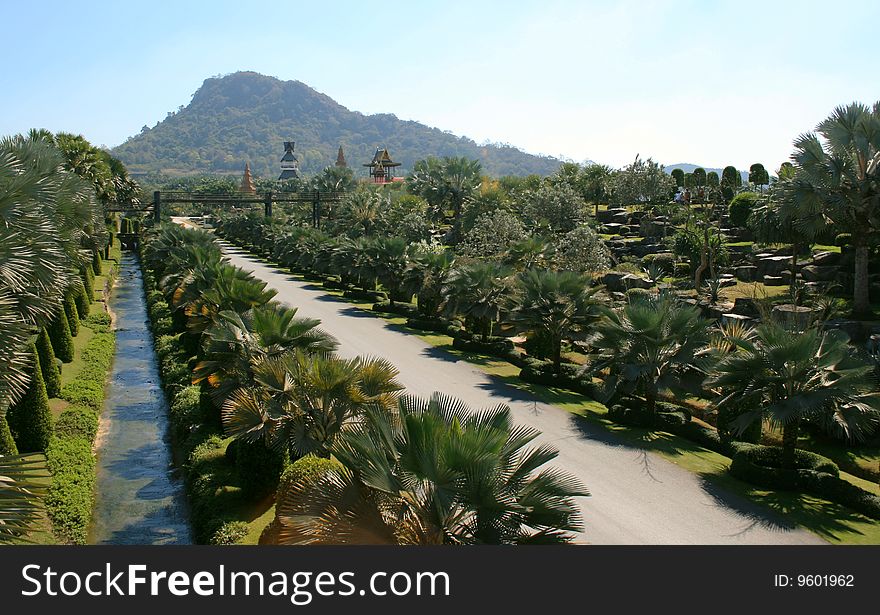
712, 83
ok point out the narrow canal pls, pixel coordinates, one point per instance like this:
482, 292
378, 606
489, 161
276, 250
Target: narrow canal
140, 499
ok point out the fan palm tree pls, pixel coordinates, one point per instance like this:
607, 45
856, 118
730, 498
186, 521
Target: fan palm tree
791, 377
651, 345
434, 473
301, 403
425, 275
20, 495
477, 292
556, 305
389, 257
446, 184
837, 171
235, 342
529, 253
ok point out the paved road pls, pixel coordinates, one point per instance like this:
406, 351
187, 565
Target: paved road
637, 497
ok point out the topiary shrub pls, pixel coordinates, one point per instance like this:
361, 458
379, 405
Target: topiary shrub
71, 312
69, 499
88, 280
77, 422
741, 207
59, 335
259, 467
30, 420
185, 409
48, 364
230, 533
87, 389
492, 345
96, 263
7, 442
83, 302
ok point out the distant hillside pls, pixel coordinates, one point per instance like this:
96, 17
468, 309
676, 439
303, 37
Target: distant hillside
689, 168
246, 117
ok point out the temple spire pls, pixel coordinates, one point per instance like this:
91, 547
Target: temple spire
247, 182
340, 159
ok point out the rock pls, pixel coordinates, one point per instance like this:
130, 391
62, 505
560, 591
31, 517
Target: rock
730, 317
746, 273
611, 228
773, 280
853, 328
816, 273
797, 316
772, 265
745, 306
728, 282
826, 258
619, 282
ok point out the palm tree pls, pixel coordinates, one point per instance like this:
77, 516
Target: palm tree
651, 345
425, 275
435, 473
236, 341
446, 184
301, 403
791, 377
840, 174
20, 495
389, 258
555, 305
477, 292
529, 253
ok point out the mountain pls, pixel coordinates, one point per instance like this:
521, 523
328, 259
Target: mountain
689, 168
247, 117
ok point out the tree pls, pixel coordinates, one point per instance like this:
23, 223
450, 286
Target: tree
529, 253
425, 275
595, 184
335, 179
758, 175
59, 335
643, 182
554, 306
477, 292
492, 235
678, 176
20, 491
838, 166
30, 419
302, 403
556, 207
712, 179
71, 313
790, 377
741, 208
48, 366
390, 258
730, 181
581, 250
434, 472
446, 184
650, 345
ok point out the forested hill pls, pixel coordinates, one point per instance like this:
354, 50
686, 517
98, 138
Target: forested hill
246, 117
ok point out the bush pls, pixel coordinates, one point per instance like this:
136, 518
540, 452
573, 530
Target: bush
635, 294
570, 378
77, 422
88, 280
96, 263
741, 207
87, 389
428, 324
230, 533
399, 307
259, 467
83, 301
30, 420
185, 409
48, 364
99, 322
69, 500
663, 261
71, 312
7, 442
59, 335
494, 346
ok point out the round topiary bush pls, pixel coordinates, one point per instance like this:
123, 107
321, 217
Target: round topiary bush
762, 466
741, 207
59, 335
30, 419
71, 313
48, 364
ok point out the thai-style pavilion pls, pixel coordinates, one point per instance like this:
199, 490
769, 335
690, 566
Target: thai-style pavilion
382, 167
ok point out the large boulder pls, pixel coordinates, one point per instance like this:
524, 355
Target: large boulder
745, 306
746, 273
825, 259
772, 265
818, 273
620, 282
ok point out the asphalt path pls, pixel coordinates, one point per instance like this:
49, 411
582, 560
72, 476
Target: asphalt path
637, 497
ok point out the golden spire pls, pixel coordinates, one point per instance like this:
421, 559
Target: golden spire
247, 182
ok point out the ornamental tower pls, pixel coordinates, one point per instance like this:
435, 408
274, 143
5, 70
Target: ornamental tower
247, 182
289, 163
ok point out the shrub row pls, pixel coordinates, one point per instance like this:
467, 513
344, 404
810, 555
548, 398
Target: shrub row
761, 466
87, 388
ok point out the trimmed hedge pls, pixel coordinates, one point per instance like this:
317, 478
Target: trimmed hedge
69, 499
48, 364
30, 420
428, 324
761, 466
7, 442
495, 346
59, 335
230, 533
71, 312
399, 307
87, 389
77, 422
542, 372
99, 322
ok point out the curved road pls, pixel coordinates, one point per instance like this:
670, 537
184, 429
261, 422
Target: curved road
637, 497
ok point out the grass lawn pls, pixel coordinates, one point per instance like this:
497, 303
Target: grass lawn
755, 290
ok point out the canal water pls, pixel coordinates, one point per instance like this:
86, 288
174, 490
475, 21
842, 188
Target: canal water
140, 497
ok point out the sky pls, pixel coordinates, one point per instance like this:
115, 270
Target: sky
699, 81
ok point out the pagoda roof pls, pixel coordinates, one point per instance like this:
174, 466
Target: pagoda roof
382, 159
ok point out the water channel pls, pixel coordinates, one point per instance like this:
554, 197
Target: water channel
140, 498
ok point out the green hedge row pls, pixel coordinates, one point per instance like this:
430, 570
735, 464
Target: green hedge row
761, 466
87, 389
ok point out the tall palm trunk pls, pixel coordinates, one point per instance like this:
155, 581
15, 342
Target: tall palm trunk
795, 248
789, 442
861, 298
